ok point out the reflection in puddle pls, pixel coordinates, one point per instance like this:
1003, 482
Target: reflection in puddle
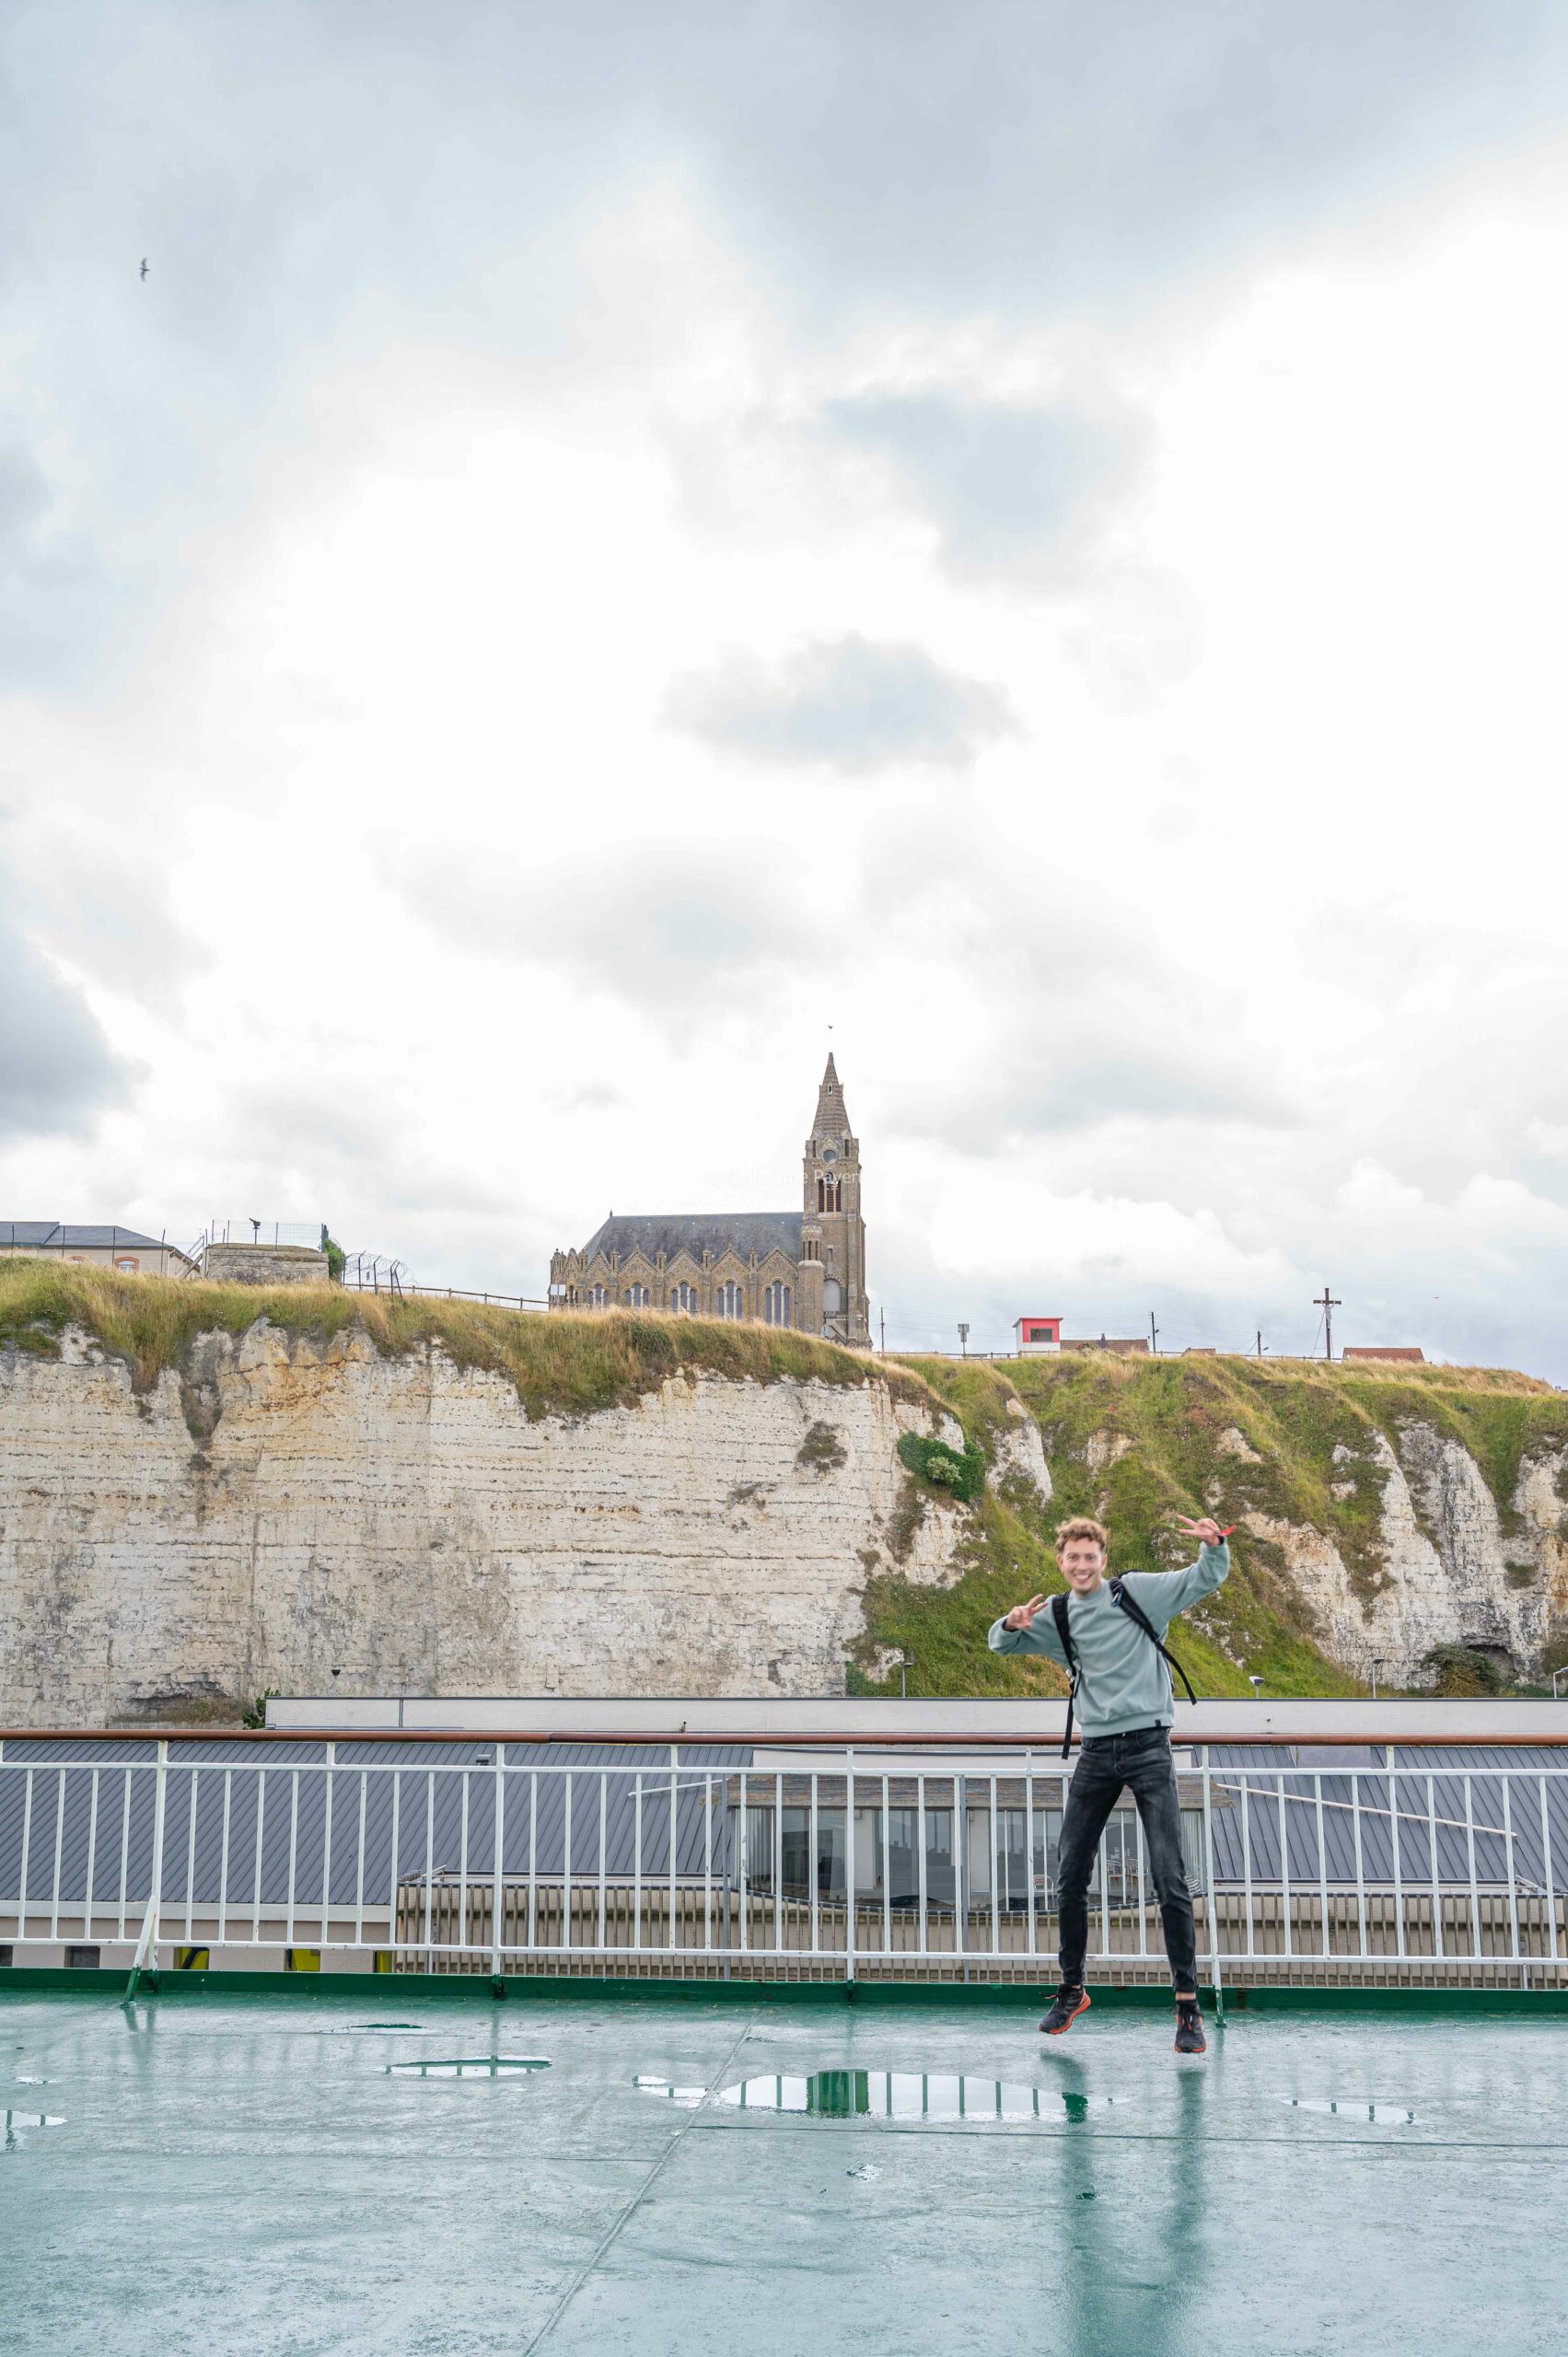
469, 2066
908, 2095
1387, 2115
362, 2029
18, 2122
686, 2099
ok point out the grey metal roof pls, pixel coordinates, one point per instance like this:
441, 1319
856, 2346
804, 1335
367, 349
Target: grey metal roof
286, 1787
1423, 1793
54, 1236
651, 1233
285, 1784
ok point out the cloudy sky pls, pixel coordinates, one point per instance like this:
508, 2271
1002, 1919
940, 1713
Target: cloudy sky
617, 547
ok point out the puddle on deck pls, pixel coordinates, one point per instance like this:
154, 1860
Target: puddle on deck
1384, 2115
373, 2029
906, 2095
684, 2098
469, 2066
17, 2123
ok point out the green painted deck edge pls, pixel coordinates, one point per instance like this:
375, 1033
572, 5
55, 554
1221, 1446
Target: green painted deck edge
44, 1979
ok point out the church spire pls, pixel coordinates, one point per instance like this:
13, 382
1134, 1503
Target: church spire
832, 1118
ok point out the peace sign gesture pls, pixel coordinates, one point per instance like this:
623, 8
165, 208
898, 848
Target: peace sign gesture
1206, 1531
1022, 1614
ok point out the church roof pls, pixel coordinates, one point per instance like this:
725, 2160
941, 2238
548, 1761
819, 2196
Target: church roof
651, 1233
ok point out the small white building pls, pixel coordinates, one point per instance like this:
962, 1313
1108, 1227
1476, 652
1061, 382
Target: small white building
1035, 1335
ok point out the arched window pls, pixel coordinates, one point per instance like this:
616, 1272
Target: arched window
778, 1305
729, 1299
829, 1195
129, 1266
684, 1298
636, 1297
596, 1297
832, 1297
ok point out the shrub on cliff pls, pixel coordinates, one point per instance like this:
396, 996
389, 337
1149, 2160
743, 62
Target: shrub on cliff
961, 1472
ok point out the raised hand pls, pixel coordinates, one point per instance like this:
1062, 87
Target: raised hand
1206, 1531
1022, 1614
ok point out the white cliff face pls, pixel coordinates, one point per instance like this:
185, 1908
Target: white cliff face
1017, 1464
404, 1521
1449, 1573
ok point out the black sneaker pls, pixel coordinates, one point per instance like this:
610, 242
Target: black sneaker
1066, 2007
1189, 2038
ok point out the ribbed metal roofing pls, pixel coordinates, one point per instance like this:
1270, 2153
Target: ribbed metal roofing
52, 1235
276, 1800
276, 1809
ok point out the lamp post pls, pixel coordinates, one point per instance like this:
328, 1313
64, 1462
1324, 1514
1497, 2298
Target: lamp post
1377, 1665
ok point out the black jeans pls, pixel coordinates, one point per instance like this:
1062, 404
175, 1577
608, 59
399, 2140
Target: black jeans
1141, 1762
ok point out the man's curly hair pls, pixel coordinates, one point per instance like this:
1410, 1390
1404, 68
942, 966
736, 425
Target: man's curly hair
1083, 1526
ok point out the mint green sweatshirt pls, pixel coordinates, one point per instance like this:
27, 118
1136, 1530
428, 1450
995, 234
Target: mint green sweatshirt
1122, 1682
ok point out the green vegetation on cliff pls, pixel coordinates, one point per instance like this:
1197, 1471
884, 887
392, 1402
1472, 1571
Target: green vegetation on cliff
1138, 1441
562, 1364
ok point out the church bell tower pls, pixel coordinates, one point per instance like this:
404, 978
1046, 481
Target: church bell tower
833, 1271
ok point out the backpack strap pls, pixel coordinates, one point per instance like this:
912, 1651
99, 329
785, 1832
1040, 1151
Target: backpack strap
1140, 1619
1064, 1638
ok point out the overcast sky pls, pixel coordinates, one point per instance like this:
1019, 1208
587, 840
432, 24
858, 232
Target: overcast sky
613, 539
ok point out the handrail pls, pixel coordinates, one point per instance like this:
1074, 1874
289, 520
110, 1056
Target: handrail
768, 1738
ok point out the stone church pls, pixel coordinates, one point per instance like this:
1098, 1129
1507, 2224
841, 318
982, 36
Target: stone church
805, 1269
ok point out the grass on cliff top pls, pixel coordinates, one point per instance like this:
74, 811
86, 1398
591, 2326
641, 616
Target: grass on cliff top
563, 1362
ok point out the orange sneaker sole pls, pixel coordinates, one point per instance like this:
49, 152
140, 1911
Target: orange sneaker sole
1071, 2018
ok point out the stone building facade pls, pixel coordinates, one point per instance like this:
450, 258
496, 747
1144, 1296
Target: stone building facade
805, 1269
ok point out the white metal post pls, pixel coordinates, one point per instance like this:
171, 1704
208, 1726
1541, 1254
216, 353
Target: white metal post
498, 1875
849, 1865
1394, 1839
1214, 1967
144, 1964
1546, 1870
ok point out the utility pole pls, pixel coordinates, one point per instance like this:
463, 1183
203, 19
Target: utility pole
1327, 1304
882, 1321
963, 1342
1259, 1342
1154, 1337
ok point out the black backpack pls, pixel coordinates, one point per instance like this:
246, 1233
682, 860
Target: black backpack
1139, 1618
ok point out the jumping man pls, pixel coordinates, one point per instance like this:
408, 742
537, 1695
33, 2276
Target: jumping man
1122, 1696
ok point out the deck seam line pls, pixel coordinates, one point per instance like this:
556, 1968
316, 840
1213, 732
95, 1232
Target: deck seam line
636, 2203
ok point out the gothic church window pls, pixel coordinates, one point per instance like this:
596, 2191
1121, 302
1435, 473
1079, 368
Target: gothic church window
596, 1297
778, 1305
730, 1300
684, 1298
637, 1296
832, 1297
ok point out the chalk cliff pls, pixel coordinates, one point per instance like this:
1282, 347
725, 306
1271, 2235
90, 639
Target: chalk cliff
206, 1491
282, 1504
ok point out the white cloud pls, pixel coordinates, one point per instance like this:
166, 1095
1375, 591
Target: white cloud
458, 425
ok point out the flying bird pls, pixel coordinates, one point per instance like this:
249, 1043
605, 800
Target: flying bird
144, 265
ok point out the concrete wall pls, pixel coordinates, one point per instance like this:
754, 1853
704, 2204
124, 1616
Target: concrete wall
285, 1507
263, 1264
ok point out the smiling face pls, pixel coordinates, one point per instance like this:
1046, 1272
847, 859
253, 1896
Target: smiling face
1083, 1564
